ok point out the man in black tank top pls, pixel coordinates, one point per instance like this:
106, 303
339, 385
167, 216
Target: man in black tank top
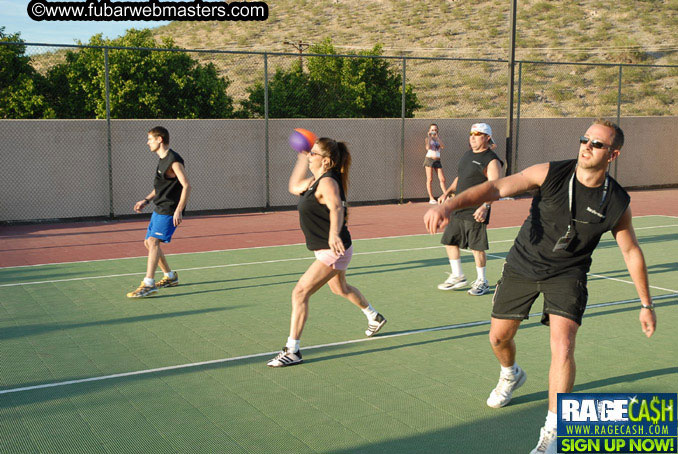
170, 195
575, 203
468, 227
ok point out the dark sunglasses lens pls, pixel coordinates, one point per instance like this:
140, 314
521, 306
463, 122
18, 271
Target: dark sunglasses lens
594, 143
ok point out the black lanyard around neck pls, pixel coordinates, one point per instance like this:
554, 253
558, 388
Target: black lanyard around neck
606, 186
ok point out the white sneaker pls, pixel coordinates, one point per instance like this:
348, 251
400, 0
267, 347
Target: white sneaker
501, 395
547, 444
479, 288
433, 202
286, 358
453, 282
373, 326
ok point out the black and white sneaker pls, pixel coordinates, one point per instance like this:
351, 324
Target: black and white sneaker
375, 325
286, 358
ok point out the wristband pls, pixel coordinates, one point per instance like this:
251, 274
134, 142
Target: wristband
486, 205
648, 306
147, 201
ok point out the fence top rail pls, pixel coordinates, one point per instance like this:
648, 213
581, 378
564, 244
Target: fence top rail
612, 65
296, 54
248, 52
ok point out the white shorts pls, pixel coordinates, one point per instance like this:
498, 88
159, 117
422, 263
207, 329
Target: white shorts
329, 258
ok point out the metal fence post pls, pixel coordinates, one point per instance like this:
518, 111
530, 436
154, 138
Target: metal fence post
619, 94
111, 214
402, 137
517, 138
268, 183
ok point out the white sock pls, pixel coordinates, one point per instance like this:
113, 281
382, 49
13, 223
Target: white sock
511, 370
369, 312
456, 267
551, 421
170, 274
481, 273
149, 282
292, 344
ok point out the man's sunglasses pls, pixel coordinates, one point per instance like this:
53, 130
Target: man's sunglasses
476, 133
594, 143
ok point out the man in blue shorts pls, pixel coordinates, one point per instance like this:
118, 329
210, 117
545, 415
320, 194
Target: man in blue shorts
170, 195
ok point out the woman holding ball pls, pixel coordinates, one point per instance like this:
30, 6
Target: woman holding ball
322, 215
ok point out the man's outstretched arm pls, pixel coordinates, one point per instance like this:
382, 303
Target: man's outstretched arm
530, 178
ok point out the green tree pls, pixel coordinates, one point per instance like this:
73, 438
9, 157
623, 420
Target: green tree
143, 83
290, 95
21, 86
334, 87
359, 87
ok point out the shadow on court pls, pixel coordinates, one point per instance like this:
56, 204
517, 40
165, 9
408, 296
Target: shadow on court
13, 332
507, 432
484, 332
581, 387
657, 268
311, 356
661, 238
352, 272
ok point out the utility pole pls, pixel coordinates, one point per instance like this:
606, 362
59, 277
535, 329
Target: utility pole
300, 46
511, 68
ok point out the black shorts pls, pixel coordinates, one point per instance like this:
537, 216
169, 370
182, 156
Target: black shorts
466, 234
435, 163
563, 295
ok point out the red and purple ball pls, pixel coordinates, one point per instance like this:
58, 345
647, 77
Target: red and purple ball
302, 140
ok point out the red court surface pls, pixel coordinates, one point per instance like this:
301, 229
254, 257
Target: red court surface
69, 242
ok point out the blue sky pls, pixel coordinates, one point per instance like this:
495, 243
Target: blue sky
14, 18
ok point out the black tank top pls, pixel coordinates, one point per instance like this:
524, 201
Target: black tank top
532, 253
471, 172
314, 217
167, 190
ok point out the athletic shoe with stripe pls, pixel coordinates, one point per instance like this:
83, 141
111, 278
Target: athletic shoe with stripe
168, 282
502, 394
479, 288
453, 282
142, 291
547, 442
286, 358
373, 326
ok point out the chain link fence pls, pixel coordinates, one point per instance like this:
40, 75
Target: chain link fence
76, 150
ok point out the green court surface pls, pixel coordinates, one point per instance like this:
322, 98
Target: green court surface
418, 387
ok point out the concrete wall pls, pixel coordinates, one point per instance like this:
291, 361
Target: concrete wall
59, 168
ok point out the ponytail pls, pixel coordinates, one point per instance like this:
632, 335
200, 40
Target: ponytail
340, 160
344, 164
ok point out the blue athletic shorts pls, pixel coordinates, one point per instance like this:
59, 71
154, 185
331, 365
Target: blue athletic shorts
161, 227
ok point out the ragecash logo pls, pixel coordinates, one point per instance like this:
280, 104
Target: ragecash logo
620, 423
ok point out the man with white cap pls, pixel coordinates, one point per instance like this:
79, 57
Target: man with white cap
467, 228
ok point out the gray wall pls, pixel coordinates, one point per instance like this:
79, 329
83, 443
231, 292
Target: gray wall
59, 168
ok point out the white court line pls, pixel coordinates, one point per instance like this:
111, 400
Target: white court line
216, 250
228, 265
284, 245
279, 260
312, 347
598, 275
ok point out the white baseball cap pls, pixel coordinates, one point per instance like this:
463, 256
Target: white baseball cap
482, 128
